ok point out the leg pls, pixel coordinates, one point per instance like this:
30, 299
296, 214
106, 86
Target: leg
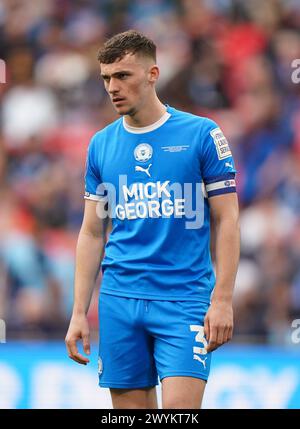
182, 392
126, 364
180, 354
134, 398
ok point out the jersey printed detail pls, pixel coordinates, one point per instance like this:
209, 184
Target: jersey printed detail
178, 148
221, 143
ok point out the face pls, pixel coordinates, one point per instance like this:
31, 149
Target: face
129, 82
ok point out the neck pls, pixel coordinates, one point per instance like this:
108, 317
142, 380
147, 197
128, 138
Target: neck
150, 113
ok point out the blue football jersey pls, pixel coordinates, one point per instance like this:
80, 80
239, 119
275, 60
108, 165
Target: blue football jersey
157, 181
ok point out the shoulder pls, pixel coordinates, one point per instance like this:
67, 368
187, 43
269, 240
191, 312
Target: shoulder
102, 134
202, 123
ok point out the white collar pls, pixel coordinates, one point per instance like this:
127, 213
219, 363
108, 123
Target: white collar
148, 128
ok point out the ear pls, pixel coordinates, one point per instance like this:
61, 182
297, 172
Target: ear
153, 74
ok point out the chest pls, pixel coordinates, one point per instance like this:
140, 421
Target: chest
141, 159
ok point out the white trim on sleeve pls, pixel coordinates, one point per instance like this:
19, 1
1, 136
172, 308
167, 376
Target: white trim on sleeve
88, 196
229, 183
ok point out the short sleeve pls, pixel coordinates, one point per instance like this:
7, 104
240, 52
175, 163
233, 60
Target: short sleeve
94, 190
217, 164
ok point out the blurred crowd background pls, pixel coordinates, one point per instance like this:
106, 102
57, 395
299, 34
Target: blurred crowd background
229, 60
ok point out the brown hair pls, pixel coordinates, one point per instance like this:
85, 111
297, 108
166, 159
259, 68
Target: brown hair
129, 42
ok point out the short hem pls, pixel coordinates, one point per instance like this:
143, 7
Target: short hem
184, 374
128, 385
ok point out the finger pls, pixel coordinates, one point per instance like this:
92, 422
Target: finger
67, 346
221, 335
226, 335
212, 344
74, 354
230, 333
206, 328
86, 343
79, 359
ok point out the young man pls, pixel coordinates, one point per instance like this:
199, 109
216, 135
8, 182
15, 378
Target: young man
166, 175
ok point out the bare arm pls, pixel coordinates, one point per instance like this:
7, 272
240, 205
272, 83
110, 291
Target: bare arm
89, 254
218, 325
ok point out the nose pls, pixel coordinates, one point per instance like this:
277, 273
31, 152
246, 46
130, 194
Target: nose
113, 86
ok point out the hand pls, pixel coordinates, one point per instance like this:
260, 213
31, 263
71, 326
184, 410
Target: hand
78, 329
218, 324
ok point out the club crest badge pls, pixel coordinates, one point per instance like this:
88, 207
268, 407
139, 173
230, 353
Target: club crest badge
143, 152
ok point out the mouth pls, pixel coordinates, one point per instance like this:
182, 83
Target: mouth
118, 100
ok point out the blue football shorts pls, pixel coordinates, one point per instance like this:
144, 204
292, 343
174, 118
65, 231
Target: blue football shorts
141, 340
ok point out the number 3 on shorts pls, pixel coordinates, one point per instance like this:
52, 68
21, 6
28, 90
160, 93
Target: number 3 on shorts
199, 339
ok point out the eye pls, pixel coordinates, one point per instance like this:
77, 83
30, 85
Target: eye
122, 76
